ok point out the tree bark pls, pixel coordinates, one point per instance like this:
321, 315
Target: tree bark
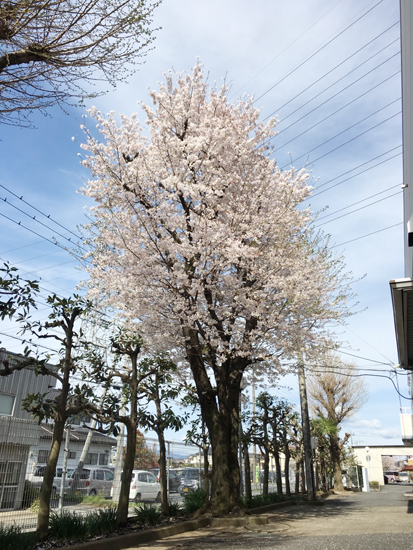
47, 485
336, 462
247, 472
220, 410
163, 473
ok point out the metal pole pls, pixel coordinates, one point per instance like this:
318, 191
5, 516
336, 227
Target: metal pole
305, 421
254, 464
64, 469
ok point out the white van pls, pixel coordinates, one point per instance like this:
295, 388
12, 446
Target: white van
93, 481
144, 486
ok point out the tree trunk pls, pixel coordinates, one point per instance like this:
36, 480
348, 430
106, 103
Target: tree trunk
266, 472
278, 475
287, 469
220, 410
297, 477
205, 449
163, 473
47, 485
247, 472
336, 462
123, 504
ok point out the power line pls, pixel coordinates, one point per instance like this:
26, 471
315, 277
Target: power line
345, 143
317, 51
285, 49
368, 234
349, 128
48, 216
358, 202
358, 209
337, 93
358, 174
339, 65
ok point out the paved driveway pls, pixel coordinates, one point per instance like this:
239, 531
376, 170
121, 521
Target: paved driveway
349, 521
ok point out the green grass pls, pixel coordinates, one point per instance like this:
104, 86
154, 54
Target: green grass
12, 538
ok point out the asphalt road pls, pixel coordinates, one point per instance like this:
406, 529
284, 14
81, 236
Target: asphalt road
347, 521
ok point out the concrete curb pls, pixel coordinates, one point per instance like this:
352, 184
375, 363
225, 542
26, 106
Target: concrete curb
142, 537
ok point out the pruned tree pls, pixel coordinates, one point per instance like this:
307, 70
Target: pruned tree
52, 51
17, 295
160, 389
63, 326
125, 371
336, 391
197, 231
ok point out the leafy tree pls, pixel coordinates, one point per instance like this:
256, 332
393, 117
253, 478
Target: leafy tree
321, 429
198, 233
16, 294
50, 49
126, 347
158, 388
145, 456
336, 391
61, 326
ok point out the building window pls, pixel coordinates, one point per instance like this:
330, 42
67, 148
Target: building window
6, 404
42, 456
103, 459
71, 454
91, 458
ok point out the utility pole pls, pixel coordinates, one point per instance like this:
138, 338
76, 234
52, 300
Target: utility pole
305, 421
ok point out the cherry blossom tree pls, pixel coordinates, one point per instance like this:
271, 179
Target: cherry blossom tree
201, 238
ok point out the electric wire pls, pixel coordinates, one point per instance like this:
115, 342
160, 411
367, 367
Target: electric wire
343, 144
368, 235
317, 51
48, 216
358, 209
285, 49
358, 202
355, 175
337, 66
359, 79
334, 96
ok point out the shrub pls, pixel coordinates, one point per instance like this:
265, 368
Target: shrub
11, 538
194, 500
30, 494
148, 514
100, 521
175, 509
67, 525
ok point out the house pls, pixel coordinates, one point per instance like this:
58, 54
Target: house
18, 432
24, 444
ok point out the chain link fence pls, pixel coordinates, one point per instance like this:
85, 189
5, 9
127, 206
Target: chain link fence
24, 449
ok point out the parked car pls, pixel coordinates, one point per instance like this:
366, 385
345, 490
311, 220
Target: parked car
144, 486
191, 479
36, 478
174, 478
404, 477
93, 481
391, 477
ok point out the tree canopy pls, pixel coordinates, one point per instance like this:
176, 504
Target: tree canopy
50, 50
198, 235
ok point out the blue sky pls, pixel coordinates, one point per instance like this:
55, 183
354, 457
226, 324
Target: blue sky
330, 71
